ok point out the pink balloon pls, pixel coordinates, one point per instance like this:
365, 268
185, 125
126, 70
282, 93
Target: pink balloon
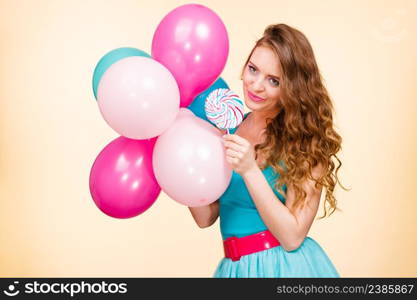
189, 161
138, 97
192, 42
122, 182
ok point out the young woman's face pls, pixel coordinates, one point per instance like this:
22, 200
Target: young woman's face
261, 81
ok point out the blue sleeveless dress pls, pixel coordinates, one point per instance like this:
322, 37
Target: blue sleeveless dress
239, 217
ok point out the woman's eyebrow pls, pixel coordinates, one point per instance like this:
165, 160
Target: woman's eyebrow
275, 76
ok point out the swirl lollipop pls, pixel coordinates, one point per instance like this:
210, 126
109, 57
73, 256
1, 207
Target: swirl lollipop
224, 108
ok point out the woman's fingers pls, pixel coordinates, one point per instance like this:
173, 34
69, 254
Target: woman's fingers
234, 146
232, 160
236, 139
234, 154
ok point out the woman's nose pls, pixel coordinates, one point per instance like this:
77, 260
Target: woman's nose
257, 84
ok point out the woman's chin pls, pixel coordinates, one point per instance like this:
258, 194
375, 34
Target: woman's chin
253, 105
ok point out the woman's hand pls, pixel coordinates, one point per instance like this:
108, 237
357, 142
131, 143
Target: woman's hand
240, 153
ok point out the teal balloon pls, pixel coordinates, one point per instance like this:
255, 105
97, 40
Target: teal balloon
197, 106
110, 58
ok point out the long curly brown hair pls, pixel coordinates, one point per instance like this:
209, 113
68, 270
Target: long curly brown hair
301, 135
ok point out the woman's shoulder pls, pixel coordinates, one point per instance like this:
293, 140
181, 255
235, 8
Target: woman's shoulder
246, 114
233, 130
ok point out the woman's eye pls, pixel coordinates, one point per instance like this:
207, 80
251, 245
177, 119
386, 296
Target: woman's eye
274, 82
252, 69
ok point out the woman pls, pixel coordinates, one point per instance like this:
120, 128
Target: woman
281, 159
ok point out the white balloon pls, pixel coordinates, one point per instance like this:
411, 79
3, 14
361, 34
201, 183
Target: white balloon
189, 161
138, 97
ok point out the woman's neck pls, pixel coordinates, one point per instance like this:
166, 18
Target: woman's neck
259, 119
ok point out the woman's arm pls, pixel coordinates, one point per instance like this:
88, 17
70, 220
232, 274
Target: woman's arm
205, 216
289, 228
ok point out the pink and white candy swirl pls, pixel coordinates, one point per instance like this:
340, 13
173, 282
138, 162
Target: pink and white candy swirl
224, 108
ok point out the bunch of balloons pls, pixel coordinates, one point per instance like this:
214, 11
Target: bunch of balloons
156, 104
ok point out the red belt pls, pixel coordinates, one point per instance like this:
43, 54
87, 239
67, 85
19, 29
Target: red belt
235, 247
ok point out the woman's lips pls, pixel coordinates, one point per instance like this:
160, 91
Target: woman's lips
255, 98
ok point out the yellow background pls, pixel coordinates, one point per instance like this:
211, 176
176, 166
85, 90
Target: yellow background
51, 132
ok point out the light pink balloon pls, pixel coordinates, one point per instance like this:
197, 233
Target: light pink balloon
192, 42
122, 182
138, 97
189, 161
